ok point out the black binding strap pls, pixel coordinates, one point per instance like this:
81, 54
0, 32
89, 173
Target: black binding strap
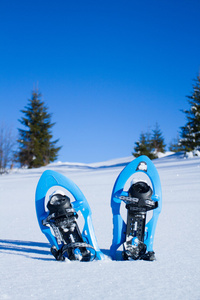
82, 246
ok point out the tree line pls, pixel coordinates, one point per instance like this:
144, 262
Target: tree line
34, 146
152, 143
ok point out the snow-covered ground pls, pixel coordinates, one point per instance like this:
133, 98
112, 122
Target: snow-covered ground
28, 270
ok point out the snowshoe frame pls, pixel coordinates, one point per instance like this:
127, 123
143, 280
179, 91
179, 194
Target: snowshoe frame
50, 179
141, 164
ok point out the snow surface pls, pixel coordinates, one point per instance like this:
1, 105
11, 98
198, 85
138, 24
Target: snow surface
29, 271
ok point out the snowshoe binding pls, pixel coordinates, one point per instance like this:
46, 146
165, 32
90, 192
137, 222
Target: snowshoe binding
62, 219
59, 223
136, 235
138, 203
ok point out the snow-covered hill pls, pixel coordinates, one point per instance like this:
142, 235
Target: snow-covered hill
28, 270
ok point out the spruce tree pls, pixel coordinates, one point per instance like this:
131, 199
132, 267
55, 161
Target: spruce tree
35, 146
157, 140
144, 146
190, 133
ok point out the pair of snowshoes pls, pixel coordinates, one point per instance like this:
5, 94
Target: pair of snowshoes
58, 219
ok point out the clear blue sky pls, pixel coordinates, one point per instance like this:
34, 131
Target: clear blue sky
108, 70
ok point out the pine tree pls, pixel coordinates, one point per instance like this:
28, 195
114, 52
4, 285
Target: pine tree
157, 140
190, 133
35, 146
144, 146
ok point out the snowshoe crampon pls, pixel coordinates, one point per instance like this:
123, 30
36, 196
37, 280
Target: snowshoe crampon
136, 235
58, 219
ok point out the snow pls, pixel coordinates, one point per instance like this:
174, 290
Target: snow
29, 271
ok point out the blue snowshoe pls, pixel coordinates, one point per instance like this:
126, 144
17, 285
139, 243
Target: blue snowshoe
58, 219
143, 195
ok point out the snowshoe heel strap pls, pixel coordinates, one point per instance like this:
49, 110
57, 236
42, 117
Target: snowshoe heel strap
85, 255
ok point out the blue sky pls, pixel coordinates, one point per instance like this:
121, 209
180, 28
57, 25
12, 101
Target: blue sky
107, 70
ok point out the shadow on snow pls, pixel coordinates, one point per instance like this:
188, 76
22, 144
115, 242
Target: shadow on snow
26, 247
18, 247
